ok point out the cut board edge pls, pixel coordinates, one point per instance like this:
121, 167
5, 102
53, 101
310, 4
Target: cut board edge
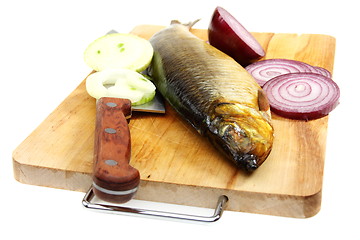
203, 197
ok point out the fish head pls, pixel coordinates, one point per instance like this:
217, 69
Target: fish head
242, 133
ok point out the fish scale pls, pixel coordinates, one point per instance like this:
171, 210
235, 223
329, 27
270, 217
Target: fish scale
216, 95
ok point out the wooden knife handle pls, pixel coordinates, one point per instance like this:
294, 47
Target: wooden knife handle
114, 180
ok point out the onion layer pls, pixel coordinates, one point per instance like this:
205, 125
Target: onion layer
265, 70
302, 96
323, 71
120, 83
117, 51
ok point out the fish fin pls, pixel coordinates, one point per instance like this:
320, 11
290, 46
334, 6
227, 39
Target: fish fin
175, 22
189, 25
263, 101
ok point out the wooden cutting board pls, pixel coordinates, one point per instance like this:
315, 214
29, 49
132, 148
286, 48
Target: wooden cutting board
179, 166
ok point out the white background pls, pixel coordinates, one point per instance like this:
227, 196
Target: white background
41, 53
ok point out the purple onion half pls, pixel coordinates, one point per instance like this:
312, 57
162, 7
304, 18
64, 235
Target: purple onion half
229, 36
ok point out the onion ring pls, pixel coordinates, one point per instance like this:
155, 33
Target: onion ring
303, 96
120, 83
265, 70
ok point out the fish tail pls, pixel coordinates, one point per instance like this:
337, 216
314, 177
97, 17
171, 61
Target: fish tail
189, 25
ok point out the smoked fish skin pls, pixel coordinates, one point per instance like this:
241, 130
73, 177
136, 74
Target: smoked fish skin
215, 94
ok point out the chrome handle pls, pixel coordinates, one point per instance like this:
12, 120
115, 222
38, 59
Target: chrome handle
87, 202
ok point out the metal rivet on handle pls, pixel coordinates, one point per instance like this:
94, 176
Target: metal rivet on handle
111, 162
110, 130
111, 104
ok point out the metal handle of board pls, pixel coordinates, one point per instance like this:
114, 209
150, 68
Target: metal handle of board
87, 202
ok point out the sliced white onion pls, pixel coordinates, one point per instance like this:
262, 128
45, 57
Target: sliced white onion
120, 83
119, 50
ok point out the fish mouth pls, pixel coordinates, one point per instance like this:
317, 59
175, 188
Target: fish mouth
234, 142
240, 146
241, 133
249, 162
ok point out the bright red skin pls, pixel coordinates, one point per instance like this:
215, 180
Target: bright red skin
223, 37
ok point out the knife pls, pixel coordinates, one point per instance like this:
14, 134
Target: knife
114, 180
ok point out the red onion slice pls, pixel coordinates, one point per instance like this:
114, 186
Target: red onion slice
323, 71
302, 96
265, 70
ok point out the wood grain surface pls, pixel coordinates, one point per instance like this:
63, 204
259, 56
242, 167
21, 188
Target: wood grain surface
179, 166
